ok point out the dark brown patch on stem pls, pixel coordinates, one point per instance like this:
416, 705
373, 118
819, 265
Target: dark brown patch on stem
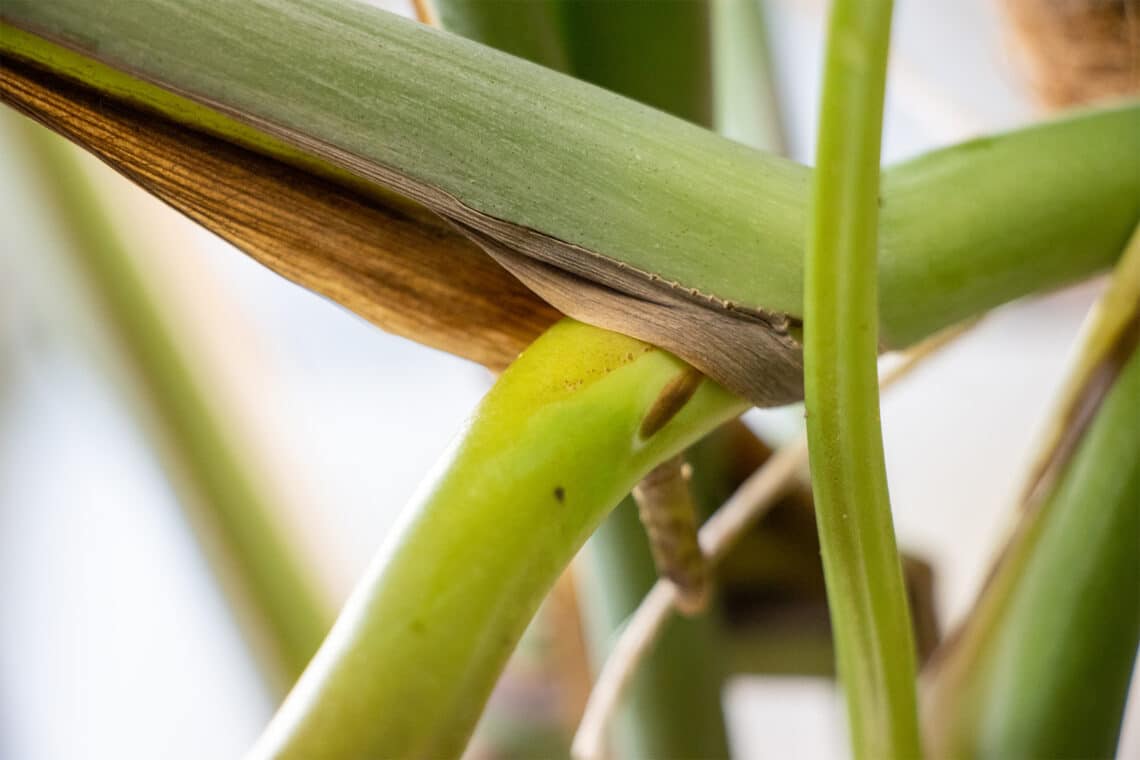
672, 399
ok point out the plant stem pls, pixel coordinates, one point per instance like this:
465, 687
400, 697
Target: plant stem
675, 708
658, 54
1055, 675
1041, 666
866, 594
964, 229
549, 452
282, 615
746, 106
534, 30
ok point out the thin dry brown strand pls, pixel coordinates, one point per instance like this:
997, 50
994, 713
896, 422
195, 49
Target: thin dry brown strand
425, 13
669, 515
1078, 413
665, 504
748, 503
383, 257
717, 536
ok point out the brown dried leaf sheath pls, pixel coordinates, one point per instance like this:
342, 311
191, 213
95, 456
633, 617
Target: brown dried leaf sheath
394, 263
401, 267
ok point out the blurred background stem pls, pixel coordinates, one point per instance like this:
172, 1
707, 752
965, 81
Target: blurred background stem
281, 613
746, 105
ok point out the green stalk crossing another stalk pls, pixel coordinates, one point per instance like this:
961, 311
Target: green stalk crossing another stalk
870, 620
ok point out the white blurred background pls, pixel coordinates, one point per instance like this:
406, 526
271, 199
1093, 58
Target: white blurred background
115, 642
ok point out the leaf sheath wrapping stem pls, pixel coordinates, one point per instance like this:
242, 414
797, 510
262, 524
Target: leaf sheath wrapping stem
593, 185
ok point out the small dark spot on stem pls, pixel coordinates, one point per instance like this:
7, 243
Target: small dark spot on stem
560, 494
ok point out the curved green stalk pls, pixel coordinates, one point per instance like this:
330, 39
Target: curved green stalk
1045, 672
976, 223
865, 590
281, 613
499, 134
1041, 666
549, 452
1055, 678
674, 705
963, 229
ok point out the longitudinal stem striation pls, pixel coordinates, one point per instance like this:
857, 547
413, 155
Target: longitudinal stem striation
870, 620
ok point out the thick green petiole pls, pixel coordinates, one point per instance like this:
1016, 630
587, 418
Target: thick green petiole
866, 595
657, 54
964, 229
553, 447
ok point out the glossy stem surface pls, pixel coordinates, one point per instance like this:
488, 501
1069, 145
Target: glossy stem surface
657, 54
870, 620
963, 229
549, 452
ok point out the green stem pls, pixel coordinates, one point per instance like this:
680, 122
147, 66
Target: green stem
659, 55
746, 104
1041, 666
549, 452
282, 615
866, 594
1054, 677
964, 229
534, 30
